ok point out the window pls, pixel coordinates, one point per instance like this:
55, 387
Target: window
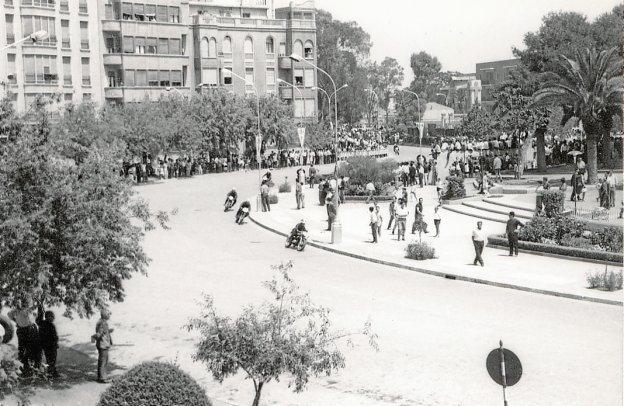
212, 48
298, 77
150, 12
246, 15
128, 78
40, 69
174, 14
86, 97
249, 48
308, 50
65, 41
29, 69
174, 46
141, 78
249, 76
183, 44
163, 46
310, 108
299, 104
11, 72
8, 2
139, 45
270, 48
270, 76
152, 78
161, 14
152, 44
227, 77
9, 28
298, 48
126, 11
203, 48
164, 78
111, 41
176, 78
282, 49
39, 3
210, 77
64, 6
67, 76
139, 14
67, 97
82, 6
84, 35
128, 44
31, 24
86, 72
227, 45
309, 78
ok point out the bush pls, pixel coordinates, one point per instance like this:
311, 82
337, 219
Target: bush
285, 187
551, 202
361, 170
419, 251
9, 367
607, 280
455, 188
609, 238
538, 229
578, 242
154, 383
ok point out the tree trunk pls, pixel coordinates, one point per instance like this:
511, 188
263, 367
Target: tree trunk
256, 401
592, 159
541, 149
605, 155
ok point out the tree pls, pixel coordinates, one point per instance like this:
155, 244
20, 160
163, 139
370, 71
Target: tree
478, 124
587, 87
288, 335
276, 122
70, 232
427, 75
607, 29
385, 79
10, 125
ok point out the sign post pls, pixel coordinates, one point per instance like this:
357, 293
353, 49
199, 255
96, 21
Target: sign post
301, 134
259, 160
504, 368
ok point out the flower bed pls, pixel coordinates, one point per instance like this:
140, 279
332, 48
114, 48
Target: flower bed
613, 258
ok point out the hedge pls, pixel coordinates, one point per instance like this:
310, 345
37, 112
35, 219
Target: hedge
593, 255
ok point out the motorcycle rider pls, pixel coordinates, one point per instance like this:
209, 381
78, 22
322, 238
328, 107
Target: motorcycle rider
241, 212
232, 193
297, 231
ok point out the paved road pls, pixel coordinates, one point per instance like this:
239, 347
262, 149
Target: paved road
434, 333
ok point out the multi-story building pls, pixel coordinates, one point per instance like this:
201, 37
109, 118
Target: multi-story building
491, 75
126, 51
462, 93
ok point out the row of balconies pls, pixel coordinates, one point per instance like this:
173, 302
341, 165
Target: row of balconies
236, 22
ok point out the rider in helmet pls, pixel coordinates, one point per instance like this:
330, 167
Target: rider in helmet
297, 230
234, 196
241, 212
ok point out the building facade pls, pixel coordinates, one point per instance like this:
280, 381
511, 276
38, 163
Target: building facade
126, 51
462, 93
491, 75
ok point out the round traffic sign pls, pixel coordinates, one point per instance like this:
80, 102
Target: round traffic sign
513, 367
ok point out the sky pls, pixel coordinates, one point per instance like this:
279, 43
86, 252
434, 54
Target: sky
459, 33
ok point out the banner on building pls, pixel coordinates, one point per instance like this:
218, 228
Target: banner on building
301, 133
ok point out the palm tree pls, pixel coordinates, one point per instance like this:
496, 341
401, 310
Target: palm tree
586, 87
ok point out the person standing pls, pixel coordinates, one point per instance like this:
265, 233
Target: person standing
331, 210
437, 220
103, 343
373, 222
478, 240
498, 164
392, 212
401, 219
312, 174
28, 347
48, 338
379, 221
264, 196
299, 195
511, 230
370, 192
611, 188
419, 222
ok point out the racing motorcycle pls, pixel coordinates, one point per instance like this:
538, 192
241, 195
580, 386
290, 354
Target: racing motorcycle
241, 215
298, 241
229, 203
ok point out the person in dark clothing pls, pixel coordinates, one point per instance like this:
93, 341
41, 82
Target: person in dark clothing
48, 339
512, 233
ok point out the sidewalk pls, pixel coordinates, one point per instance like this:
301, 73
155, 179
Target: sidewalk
529, 272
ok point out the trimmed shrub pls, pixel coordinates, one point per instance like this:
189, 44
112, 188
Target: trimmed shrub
455, 188
551, 202
154, 383
419, 251
539, 229
579, 242
609, 238
285, 187
607, 280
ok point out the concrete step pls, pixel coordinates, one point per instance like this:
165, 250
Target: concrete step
496, 209
512, 205
476, 213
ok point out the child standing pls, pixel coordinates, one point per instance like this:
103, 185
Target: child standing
48, 338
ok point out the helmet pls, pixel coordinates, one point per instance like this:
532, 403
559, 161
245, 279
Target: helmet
233, 189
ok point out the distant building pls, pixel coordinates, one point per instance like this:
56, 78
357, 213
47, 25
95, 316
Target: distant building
125, 51
462, 93
491, 75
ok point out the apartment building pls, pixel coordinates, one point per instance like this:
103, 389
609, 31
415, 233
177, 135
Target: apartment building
491, 75
125, 51
65, 67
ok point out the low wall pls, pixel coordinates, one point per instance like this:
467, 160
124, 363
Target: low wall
599, 257
363, 198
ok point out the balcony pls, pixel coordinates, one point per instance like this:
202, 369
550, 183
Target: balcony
286, 92
113, 92
302, 24
111, 59
111, 25
84, 45
239, 22
285, 62
210, 63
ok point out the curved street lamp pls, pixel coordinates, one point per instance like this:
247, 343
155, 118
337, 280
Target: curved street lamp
35, 37
297, 89
336, 226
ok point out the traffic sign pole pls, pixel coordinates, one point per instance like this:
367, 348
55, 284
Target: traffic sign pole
502, 355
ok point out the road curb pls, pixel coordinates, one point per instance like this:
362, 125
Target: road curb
445, 275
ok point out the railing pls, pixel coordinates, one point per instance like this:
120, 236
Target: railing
64, 6
10, 38
239, 22
249, 56
84, 44
82, 8
86, 81
66, 43
67, 80
598, 214
41, 78
38, 3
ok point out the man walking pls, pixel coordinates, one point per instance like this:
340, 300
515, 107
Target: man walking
478, 240
103, 343
512, 233
373, 222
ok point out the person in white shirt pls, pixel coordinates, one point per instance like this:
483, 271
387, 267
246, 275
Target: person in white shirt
370, 192
401, 219
373, 219
437, 220
478, 240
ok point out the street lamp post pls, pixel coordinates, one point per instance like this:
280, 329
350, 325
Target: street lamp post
34, 37
259, 136
336, 227
418, 115
304, 109
329, 97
